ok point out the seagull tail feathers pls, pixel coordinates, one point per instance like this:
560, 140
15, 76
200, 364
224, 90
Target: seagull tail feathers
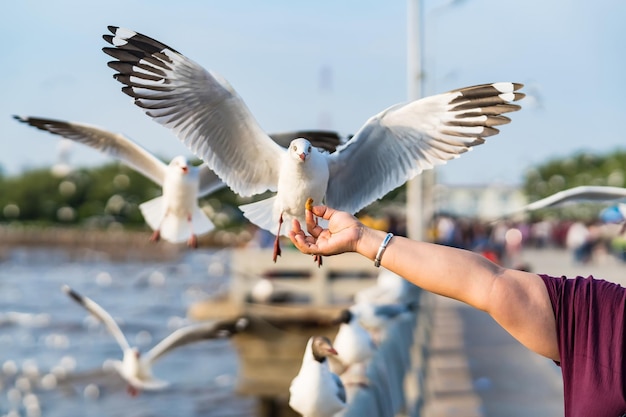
261, 213
152, 212
173, 228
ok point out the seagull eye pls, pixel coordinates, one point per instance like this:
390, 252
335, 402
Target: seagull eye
309, 149
294, 147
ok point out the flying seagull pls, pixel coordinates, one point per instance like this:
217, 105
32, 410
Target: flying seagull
596, 193
174, 216
135, 367
393, 146
599, 193
316, 391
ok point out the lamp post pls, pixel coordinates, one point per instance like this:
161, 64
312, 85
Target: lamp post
415, 216
420, 190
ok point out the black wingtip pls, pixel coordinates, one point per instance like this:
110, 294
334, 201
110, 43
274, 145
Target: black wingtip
73, 294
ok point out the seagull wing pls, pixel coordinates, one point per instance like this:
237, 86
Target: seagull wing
582, 193
403, 140
341, 389
200, 107
109, 143
208, 180
189, 334
326, 140
101, 314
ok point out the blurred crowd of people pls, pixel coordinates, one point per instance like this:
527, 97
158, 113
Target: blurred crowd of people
502, 241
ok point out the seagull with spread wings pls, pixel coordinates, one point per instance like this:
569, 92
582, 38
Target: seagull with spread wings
174, 216
135, 367
393, 146
597, 193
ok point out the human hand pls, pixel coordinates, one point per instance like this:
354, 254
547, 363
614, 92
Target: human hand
342, 235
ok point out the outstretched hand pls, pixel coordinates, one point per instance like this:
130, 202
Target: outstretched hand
343, 233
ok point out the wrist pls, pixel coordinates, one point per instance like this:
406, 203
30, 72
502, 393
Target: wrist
369, 242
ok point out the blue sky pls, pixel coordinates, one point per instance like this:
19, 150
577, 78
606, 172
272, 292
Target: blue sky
569, 54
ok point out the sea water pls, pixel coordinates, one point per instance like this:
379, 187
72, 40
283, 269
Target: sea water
52, 351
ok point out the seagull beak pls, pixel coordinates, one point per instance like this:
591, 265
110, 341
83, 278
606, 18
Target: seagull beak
302, 156
185, 169
332, 351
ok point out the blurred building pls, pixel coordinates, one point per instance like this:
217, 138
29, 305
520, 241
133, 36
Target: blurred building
478, 201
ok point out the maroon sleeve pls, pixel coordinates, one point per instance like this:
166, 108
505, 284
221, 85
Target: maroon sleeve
589, 317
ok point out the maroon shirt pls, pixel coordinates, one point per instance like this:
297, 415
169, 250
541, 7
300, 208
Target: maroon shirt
590, 330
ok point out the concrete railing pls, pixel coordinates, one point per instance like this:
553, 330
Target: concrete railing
396, 374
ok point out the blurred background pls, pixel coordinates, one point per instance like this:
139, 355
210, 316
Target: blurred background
316, 65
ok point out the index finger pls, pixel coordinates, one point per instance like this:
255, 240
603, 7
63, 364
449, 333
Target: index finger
311, 224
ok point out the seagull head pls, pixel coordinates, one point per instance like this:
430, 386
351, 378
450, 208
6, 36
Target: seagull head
322, 348
300, 149
345, 317
180, 163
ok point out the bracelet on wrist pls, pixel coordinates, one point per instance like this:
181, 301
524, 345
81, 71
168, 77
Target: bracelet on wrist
381, 249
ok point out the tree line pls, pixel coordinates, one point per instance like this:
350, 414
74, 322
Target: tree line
111, 193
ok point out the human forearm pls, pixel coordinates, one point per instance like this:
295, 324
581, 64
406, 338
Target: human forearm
443, 270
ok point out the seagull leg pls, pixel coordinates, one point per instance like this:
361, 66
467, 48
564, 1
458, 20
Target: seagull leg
193, 239
132, 391
277, 250
156, 236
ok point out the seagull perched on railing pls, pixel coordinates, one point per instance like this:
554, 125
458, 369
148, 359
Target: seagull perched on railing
135, 367
316, 391
375, 318
207, 115
355, 348
390, 288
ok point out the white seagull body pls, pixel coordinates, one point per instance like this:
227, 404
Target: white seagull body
375, 318
208, 116
174, 216
316, 391
390, 288
353, 342
135, 368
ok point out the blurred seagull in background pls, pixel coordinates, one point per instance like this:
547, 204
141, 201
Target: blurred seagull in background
375, 318
135, 367
175, 216
316, 391
597, 193
208, 116
355, 347
390, 288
